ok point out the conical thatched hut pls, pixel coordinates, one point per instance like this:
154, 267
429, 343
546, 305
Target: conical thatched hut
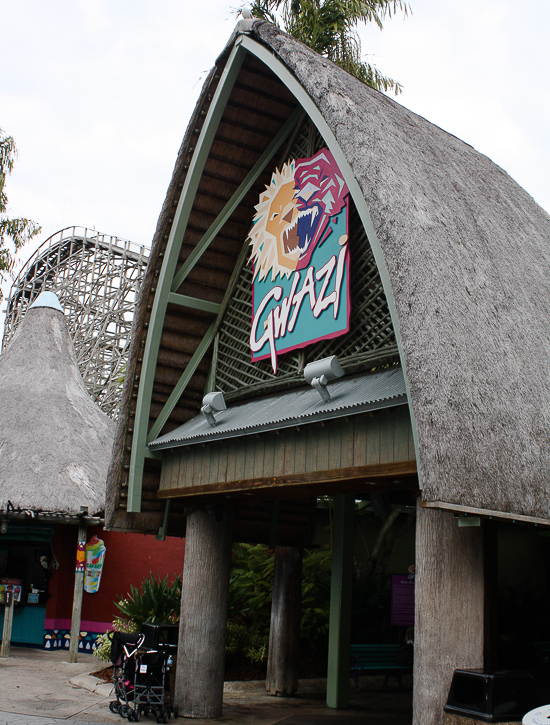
55, 448
55, 441
55, 444
449, 279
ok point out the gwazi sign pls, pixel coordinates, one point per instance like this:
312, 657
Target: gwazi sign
300, 257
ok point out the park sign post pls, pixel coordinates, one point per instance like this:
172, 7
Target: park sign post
300, 257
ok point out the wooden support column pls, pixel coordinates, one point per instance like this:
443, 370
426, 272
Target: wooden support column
449, 606
8, 623
490, 567
286, 613
340, 602
78, 593
203, 624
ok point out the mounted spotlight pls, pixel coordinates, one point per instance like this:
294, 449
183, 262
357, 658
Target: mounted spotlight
320, 372
210, 403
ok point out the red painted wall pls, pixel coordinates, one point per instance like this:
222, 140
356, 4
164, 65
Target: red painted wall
129, 558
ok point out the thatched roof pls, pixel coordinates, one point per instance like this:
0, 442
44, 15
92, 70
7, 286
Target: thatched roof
465, 255
55, 442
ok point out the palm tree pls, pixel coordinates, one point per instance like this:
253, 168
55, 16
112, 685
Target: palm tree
14, 231
329, 27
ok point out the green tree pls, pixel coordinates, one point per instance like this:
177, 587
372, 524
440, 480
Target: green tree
329, 27
14, 233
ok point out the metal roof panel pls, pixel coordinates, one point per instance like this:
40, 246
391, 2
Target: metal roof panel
349, 396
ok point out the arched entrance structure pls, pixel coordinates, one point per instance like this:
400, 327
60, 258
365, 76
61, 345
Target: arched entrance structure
443, 348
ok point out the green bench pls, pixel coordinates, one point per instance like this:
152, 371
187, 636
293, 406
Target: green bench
375, 659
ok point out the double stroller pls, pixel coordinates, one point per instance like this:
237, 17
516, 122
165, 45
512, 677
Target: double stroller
142, 668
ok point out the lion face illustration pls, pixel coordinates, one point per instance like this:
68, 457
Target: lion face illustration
293, 214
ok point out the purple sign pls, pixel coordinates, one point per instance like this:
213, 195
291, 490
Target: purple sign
402, 600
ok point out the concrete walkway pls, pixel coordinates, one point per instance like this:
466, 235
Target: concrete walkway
39, 687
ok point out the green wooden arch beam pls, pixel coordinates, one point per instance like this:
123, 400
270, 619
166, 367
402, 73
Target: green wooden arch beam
305, 100
188, 373
210, 235
236, 199
150, 353
194, 303
169, 282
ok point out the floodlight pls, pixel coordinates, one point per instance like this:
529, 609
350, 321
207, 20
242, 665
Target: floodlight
320, 372
210, 403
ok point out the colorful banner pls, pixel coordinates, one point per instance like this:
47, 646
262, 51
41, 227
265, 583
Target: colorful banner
95, 556
80, 556
300, 257
12, 586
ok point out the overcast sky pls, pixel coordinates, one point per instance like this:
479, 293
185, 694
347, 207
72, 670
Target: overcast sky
98, 93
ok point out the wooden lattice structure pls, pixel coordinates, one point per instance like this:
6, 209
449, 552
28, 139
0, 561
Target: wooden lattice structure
371, 340
96, 277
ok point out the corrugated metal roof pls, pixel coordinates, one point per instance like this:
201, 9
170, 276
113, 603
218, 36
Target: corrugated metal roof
349, 396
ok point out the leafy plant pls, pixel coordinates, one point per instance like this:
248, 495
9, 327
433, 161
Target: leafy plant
102, 646
250, 594
157, 602
14, 233
329, 27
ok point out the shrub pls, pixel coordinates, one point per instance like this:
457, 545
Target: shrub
157, 602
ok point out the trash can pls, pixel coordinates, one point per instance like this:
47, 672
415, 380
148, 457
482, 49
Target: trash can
491, 696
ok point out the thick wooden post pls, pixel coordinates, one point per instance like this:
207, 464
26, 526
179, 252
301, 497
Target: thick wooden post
78, 592
340, 602
203, 624
8, 623
449, 605
286, 613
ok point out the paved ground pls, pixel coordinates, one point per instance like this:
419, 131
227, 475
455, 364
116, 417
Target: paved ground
38, 687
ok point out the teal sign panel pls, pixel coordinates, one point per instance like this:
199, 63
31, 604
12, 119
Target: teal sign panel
300, 256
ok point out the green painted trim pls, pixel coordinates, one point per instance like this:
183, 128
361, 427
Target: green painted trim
193, 303
155, 455
180, 386
163, 528
275, 65
179, 225
339, 634
236, 199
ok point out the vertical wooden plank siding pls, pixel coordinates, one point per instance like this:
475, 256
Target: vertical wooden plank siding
269, 455
385, 437
323, 440
300, 450
289, 453
387, 425
258, 468
279, 455
312, 442
334, 446
373, 441
401, 436
251, 444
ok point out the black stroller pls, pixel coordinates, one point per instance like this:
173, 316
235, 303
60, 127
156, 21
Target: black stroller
143, 665
152, 692
124, 648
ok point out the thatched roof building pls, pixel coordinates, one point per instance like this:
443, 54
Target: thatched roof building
55, 442
462, 253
